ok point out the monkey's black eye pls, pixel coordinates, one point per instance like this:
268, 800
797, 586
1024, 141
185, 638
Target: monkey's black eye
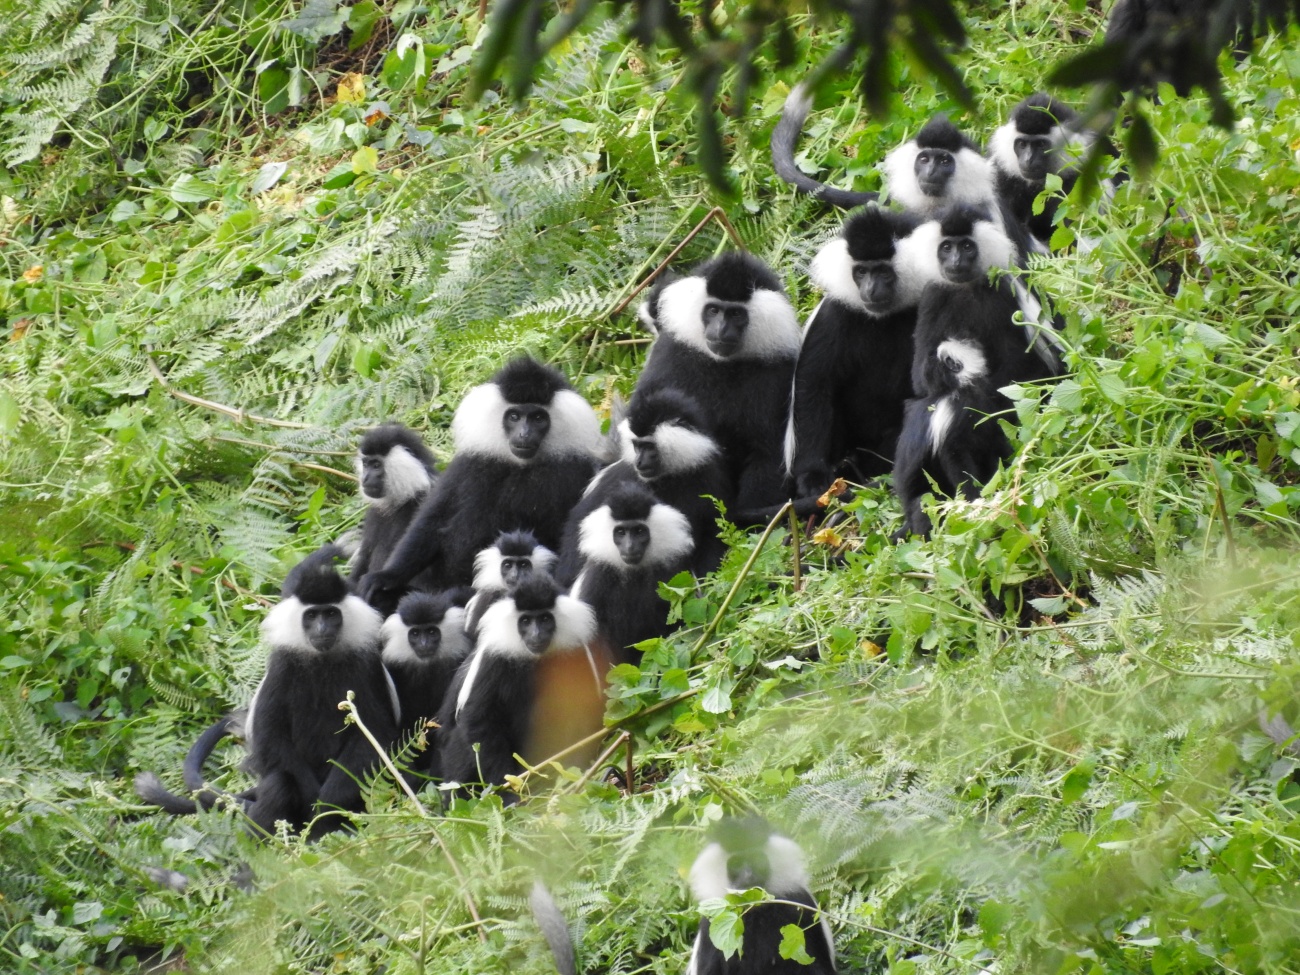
967, 246
711, 309
945, 246
513, 416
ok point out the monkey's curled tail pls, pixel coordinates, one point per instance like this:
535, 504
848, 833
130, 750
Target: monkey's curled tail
150, 788
554, 928
784, 139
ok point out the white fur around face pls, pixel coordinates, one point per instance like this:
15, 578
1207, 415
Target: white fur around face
404, 478
498, 635
682, 449
996, 248
477, 425
397, 646
832, 271
282, 628
670, 539
487, 566
626, 450
681, 309
971, 357
787, 875
1002, 149
596, 538
773, 331
940, 422
916, 258
972, 182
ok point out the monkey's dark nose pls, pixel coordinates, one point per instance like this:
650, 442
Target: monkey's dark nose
648, 463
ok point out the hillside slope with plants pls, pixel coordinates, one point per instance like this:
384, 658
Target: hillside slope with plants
1056, 737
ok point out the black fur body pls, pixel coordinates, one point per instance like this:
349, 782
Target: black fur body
745, 393
855, 363
489, 488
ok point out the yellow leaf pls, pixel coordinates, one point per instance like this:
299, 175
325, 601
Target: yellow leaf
352, 88
34, 273
828, 536
871, 649
836, 489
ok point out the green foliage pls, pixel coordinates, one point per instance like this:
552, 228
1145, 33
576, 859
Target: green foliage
1055, 738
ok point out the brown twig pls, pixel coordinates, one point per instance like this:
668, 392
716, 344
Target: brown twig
630, 776
273, 448
717, 213
239, 416
349, 706
324, 470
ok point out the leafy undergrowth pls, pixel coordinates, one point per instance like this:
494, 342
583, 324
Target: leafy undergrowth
1055, 738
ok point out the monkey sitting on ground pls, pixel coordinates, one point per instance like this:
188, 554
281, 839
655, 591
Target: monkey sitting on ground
424, 644
625, 548
501, 704
526, 446
396, 471
727, 335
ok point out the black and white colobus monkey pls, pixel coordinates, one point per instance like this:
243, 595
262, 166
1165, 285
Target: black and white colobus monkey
747, 853
727, 335
396, 470
424, 644
667, 445
492, 710
960, 301
950, 434
526, 446
499, 569
939, 166
626, 546
854, 370
1034, 142
324, 642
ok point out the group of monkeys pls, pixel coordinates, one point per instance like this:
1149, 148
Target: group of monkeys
485, 604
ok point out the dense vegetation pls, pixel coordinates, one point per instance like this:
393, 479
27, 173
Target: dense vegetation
1055, 738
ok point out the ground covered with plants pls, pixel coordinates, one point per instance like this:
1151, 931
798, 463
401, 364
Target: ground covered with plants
1055, 738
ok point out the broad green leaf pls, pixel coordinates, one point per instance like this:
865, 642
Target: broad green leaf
727, 931
273, 90
365, 160
1076, 782
268, 176
716, 700
793, 945
190, 189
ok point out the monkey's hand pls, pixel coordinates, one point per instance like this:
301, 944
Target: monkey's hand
380, 584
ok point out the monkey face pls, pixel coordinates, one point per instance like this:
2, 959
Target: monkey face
724, 326
425, 640
877, 284
934, 168
1033, 153
526, 425
648, 462
632, 539
322, 624
748, 868
372, 476
537, 630
959, 259
514, 568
